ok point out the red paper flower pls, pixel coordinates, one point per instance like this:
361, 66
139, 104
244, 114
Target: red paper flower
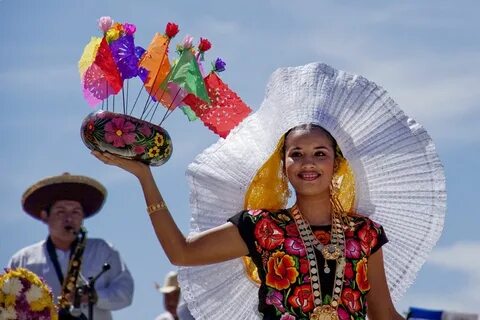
204, 45
281, 271
302, 298
171, 30
268, 234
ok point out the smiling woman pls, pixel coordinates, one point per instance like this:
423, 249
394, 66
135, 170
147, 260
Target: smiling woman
321, 259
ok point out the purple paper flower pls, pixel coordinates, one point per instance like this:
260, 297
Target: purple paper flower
219, 65
287, 316
119, 132
129, 28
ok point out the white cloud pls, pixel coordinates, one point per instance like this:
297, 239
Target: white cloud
461, 260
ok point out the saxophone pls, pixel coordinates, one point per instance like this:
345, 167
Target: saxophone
69, 285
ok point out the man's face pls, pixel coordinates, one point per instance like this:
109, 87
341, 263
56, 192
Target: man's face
64, 219
171, 301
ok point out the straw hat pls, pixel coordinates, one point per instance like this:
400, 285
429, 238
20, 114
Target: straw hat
170, 284
89, 192
399, 180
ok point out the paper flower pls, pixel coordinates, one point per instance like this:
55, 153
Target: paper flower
104, 23
219, 65
171, 30
204, 45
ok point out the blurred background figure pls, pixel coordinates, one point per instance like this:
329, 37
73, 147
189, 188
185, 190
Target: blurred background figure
175, 306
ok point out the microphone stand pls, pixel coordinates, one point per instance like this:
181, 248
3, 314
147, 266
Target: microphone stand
90, 287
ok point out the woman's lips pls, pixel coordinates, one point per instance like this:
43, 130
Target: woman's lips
309, 176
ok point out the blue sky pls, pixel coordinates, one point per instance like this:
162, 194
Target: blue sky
425, 53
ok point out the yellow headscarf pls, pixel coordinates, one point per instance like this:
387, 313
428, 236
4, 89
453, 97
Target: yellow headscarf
269, 190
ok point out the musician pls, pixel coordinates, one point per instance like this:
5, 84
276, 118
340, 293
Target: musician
62, 203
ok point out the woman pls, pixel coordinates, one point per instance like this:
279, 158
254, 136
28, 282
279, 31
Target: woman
306, 272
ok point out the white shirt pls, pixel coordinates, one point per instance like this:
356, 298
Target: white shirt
114, 288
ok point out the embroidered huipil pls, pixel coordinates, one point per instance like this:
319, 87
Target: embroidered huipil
277, 250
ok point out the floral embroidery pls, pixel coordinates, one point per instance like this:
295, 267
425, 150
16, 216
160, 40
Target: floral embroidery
368, 237
361, 277
281, 258
302, 298
351, 299
281, 271
275, 298
268, 234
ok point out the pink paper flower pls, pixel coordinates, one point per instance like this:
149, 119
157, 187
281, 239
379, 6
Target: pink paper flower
129, 28
119, 132
187, 42
104, 23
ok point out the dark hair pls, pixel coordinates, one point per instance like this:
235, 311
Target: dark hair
310, 126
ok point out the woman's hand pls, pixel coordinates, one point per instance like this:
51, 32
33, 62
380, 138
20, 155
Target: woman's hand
137, 168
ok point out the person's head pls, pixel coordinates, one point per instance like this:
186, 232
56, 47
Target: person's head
310, 158
63, 218
171, 292
63, 201
171, 300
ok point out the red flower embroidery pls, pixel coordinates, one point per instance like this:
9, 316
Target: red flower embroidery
281, 271
303, 266
361, 277
268, 234
349, 271
322, 236
351, 299
302, 298
368, 238
292, 230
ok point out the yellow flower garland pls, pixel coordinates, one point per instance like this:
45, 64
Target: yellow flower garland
12, 290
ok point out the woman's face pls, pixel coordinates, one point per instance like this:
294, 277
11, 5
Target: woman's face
309, 161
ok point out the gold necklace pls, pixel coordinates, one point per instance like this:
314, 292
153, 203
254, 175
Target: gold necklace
333, 251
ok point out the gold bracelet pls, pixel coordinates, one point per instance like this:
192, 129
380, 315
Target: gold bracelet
156, 207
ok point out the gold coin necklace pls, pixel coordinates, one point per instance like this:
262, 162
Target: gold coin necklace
333, 251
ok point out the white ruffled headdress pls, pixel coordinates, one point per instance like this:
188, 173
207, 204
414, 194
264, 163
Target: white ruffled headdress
399, 179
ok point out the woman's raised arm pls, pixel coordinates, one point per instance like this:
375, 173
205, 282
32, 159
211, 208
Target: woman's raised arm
215, 245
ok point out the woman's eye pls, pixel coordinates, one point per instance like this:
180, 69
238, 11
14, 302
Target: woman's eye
320, 154
295, 154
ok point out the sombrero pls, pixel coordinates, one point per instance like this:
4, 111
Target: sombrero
89, 192
399, 179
